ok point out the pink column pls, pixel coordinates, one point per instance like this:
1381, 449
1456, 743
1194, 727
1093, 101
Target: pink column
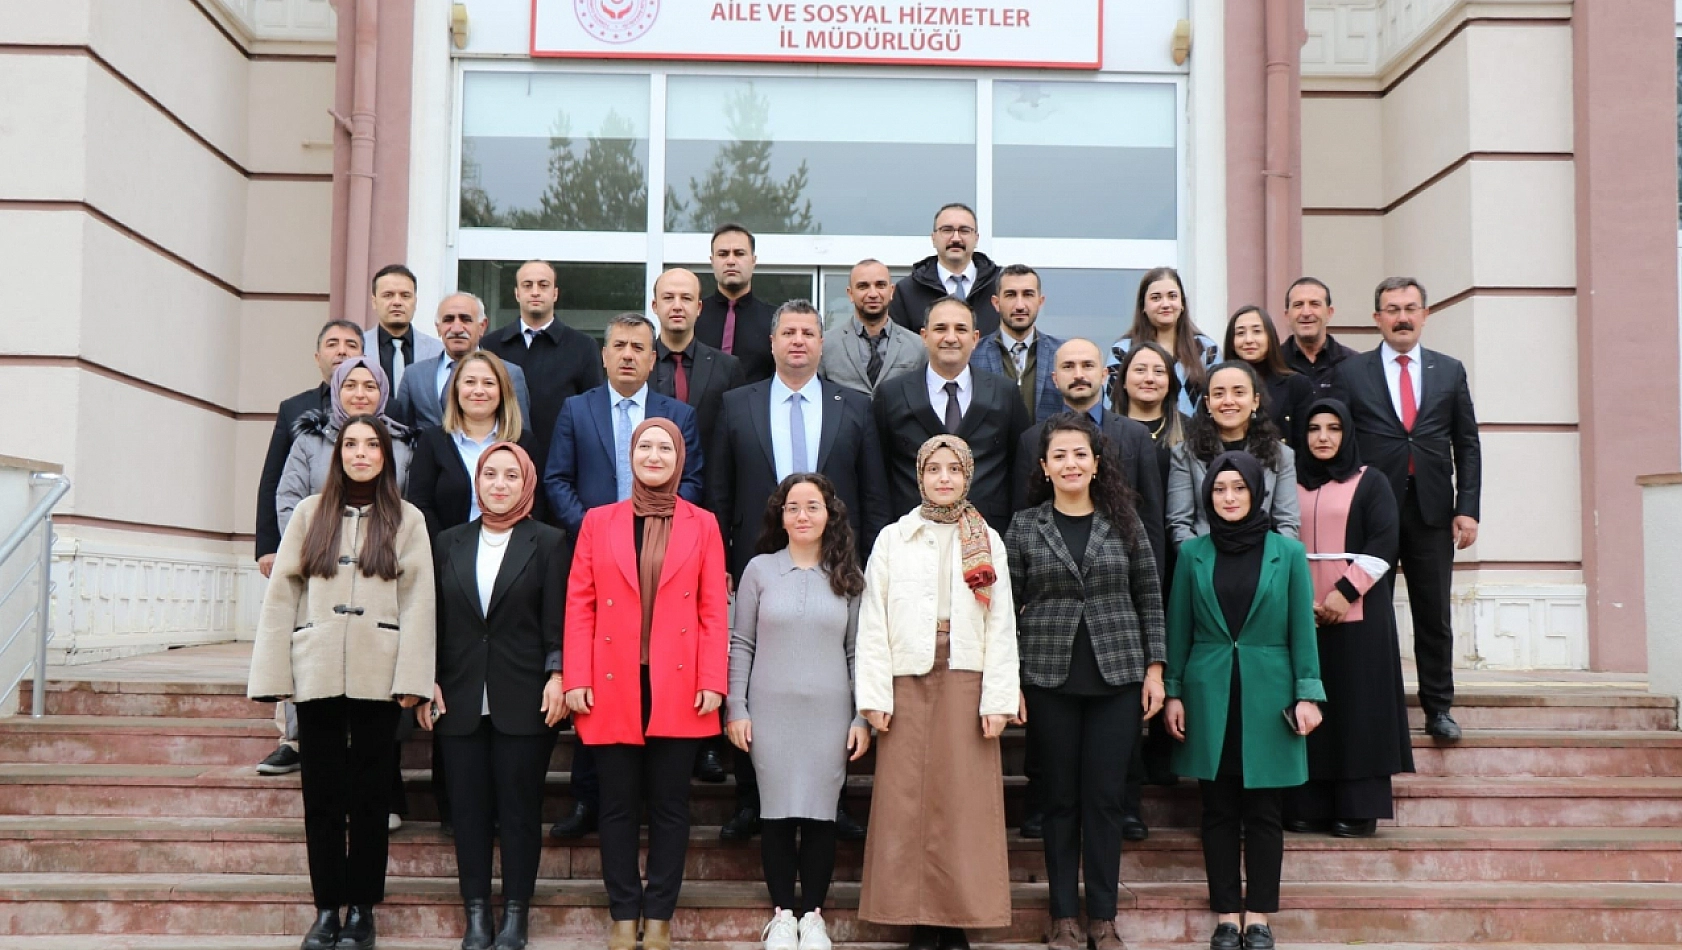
1263, 153
1625, 70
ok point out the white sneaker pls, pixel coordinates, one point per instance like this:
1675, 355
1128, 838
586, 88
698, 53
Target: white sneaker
813, 934
393, 821
782, 933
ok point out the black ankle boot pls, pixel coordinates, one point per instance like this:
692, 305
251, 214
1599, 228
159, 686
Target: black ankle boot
512, 936
324, 933
480, 924
358, 931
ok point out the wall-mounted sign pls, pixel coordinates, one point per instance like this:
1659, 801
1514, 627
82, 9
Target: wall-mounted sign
1053, 34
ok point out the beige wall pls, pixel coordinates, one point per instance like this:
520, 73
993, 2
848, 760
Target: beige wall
165, 211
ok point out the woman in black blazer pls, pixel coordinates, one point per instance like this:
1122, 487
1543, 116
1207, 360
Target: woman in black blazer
479, 410
501, 583
1090, 637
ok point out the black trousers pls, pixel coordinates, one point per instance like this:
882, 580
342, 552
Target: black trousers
1237, 819
345, 750
586, 782
497, 779
1356, 799
1083, 744
1427, 559
811, 859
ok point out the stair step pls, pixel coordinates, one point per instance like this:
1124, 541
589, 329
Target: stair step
735, 911
539, 942
144, 698
169, 845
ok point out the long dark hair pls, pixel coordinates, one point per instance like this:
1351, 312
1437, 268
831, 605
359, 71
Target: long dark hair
1273, 364
1186, 351
1111, 495
840, 556
1173, 428
378, 556
1261, 437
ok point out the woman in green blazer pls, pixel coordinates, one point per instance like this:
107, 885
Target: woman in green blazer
1242, 591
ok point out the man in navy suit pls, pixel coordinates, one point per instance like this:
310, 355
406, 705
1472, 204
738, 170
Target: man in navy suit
1016, 350
590, 455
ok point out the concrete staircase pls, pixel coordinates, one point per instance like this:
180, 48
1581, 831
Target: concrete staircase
131, 817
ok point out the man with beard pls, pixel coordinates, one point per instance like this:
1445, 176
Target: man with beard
732, 318
869, 349
461, 323
1016, 350
956, 269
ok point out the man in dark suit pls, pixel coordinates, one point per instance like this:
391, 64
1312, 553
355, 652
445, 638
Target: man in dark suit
955, 269
1415, 423
792, 422
1310, 350
732, 318
394, 341
559, 362
419, 402
984, 410
336, 342
589, 465
686, 369
1016, 350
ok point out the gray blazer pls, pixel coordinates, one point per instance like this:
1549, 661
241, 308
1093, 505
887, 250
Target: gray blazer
844, 359
1187, 518
417, 404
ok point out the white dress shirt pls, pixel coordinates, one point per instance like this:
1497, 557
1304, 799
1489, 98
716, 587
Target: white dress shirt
442, 377
471, 451
811, 412
1393, 376
937, 390
968, 275
1009, 344
492, 545
526, 330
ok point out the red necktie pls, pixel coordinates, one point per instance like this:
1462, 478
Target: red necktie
680, 379
729, 340
1410, 409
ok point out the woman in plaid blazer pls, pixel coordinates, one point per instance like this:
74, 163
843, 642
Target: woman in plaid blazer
1090, 638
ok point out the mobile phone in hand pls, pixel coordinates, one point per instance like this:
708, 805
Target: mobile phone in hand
1291, 719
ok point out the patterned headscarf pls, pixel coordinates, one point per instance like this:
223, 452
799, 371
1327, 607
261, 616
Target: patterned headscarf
343, 370
973, 543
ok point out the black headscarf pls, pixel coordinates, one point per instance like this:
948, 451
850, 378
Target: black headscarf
1311, 472
1238, 537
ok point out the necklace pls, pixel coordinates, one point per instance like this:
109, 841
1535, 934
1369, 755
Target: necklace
495, 539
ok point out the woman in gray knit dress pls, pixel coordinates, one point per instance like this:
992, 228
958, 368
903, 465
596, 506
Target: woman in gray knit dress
791, 695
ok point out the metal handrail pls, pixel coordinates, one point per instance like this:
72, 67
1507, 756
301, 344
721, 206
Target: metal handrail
42, 513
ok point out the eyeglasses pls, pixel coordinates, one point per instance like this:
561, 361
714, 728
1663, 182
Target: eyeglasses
811, 508
949, 230
1393, 311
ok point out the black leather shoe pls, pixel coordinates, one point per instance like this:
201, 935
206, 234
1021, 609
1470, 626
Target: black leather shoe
1133, 828
515, 916
924, 938
358, 931
953, 938
1258, 937
848, 828
479, 925
1355, 829
1033, 825
744, 824
1226, 937
581, 822
709, 767
324, 933
1302, 826
1442, 726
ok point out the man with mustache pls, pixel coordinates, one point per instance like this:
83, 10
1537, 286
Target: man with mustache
869, 349
732, 318
956, 269
1016, 350
1414, 422
461, 324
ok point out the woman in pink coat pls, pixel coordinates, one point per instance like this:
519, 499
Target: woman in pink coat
646, 664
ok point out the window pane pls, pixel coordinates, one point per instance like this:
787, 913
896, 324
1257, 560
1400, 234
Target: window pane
1084, 160
590, 293
1094, 304
817, 156
554, 152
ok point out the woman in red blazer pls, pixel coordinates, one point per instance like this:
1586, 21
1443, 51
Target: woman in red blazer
646, 663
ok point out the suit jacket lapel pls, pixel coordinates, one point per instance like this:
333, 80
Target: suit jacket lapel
681, 544
601, 410
624, 548
1205, 568
521, 545
1054, 540
700, 373
1431, 384
978, 402
464, 560
1266, 577
759, 412
832, 402
917, 399
1095, 543
1375, 375
429, 390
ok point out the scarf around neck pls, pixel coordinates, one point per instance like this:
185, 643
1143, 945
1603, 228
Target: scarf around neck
974, 546
655, 506
1312, 472
528, 489
1237, 537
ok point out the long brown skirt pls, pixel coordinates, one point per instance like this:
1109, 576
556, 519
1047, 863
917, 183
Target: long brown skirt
936, 851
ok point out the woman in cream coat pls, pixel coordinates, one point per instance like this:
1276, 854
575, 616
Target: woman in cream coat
936, 675
347, 632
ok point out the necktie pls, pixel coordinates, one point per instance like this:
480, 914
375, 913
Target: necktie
797, 434
874, 368
396, 364
1410, 407
622, 449
680, 379
531, 337
1019, 356
729, 340
958, 286
954, 413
